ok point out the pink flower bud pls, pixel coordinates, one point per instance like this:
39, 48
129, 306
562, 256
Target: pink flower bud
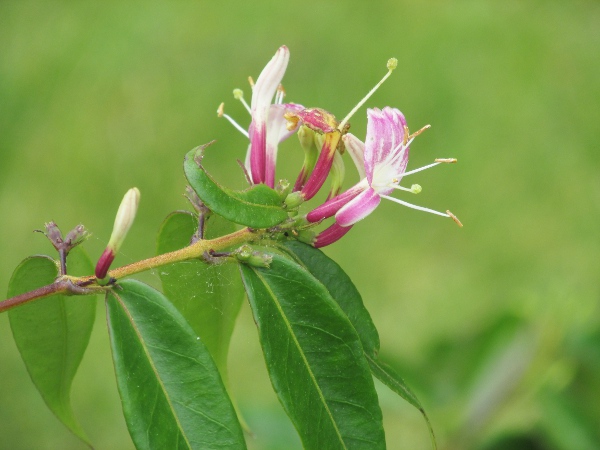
123, 221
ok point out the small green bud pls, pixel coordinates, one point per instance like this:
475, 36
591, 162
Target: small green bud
245, 254
294, 200
306, 236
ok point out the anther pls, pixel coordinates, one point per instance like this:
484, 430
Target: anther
280, 95
221, 113
251, 82
446, 160
453, 217
238, 94
406, 135
416, 133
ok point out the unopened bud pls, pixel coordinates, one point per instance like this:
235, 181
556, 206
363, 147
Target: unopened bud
306, 236
294, 200
337, 174
283, 188
251, 257
123, 221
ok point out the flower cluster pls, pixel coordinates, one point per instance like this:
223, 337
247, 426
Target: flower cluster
381, 160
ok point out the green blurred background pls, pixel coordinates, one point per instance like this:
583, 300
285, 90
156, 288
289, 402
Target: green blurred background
496, 325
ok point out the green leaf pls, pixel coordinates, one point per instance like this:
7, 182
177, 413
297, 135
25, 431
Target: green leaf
208, 296
171, 391
257, 207
341, 288
314, 357
52, 333
343, 291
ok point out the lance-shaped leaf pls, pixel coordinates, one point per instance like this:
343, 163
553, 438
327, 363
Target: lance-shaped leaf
52, 333
343, 291
257, 207
314, 358
171, 391
208, 296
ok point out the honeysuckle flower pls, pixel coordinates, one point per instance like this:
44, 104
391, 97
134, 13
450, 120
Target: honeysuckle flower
123, 221
385, 157
325, 124
268, 126
327, 133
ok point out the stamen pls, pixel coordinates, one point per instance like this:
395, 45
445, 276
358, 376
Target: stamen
406, 133
391, 65
446, 160
410, 172
279, 96
453, 217
238, 94
221, 113
414, 189
420, 208
251, 82
416, 133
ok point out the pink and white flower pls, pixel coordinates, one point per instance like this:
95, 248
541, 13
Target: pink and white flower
269, 126
382, 166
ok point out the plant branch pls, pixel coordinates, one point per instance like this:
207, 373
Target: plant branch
88, 284
58, 287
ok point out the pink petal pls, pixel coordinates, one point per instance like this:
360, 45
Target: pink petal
332, 206
322, 167
385, 132
258, 147
277, 132
330, 235
262, 96
358, 208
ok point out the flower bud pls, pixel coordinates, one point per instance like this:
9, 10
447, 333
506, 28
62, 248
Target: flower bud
123, 221
306, 136
337, 173
247, 255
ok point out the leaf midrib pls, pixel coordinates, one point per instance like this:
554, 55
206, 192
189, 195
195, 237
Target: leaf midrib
297, 344
151, 362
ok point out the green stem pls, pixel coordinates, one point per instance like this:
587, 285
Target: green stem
88, 285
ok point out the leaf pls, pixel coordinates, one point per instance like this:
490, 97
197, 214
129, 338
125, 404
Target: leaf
171, 392
341, 288
343, 291
208, 296
257, 207
314, 358
52, 333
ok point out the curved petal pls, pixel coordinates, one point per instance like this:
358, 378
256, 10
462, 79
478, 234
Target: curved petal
262, 95
330, 235
333, 205
385, 134
356, 150
358, 208
276, 132
269, 79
